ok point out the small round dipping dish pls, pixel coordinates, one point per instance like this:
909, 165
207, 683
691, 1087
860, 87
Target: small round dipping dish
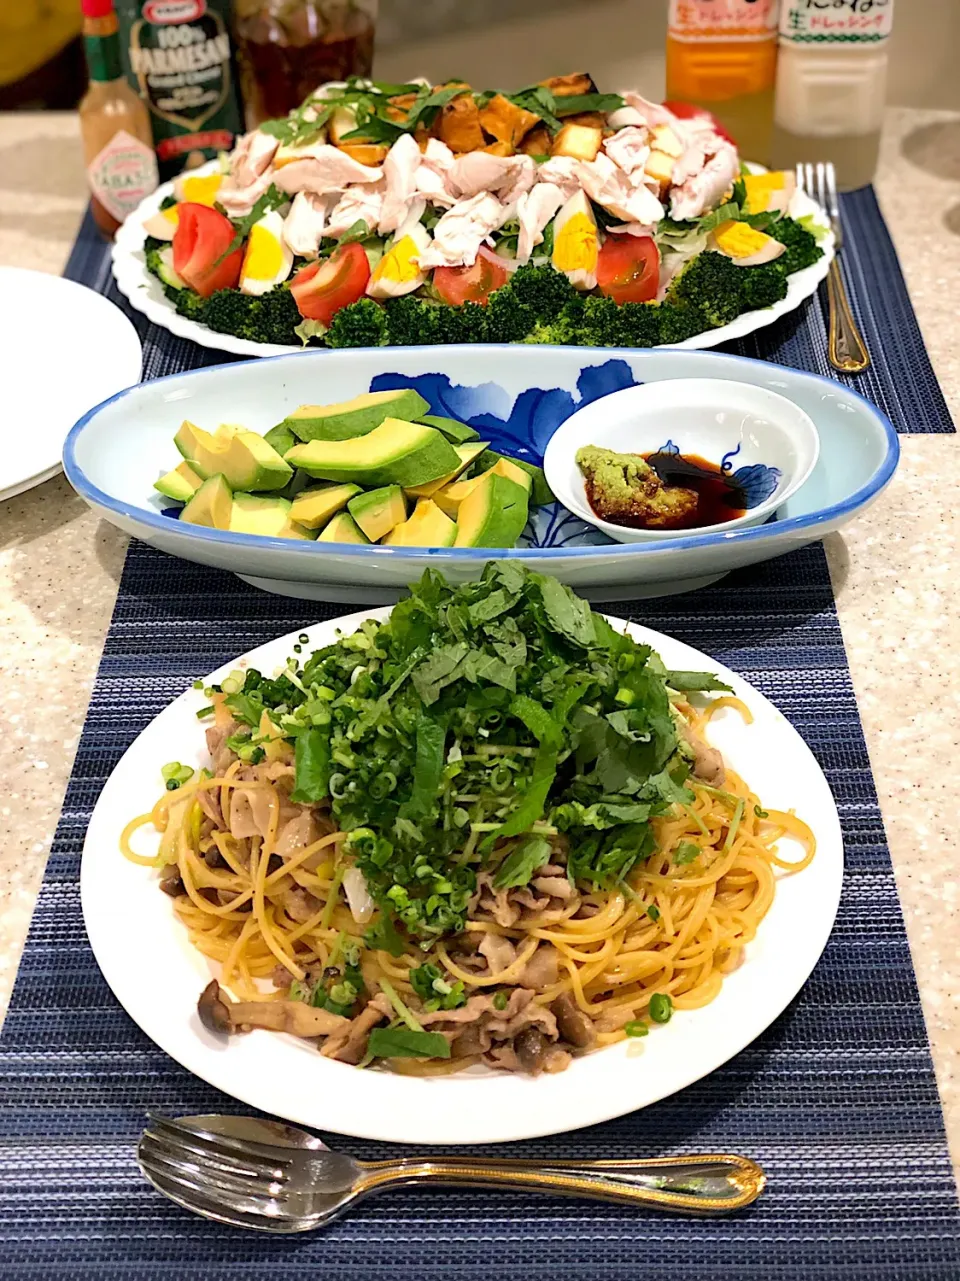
765, 444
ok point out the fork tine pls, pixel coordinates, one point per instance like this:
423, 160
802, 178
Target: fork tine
216, 1179
202, 1196
220, 1144
833, 206
199, 1147
227, 1167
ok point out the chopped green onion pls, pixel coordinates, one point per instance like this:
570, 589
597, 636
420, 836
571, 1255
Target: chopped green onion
759, 812
204, 712
636, 1027
653, 912
332, 897
734, 824
500, 1001
661, 1007
391, 994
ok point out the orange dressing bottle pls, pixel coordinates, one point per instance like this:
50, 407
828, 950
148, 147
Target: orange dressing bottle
722, 55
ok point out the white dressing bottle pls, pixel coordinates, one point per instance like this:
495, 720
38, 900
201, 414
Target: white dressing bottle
832, 85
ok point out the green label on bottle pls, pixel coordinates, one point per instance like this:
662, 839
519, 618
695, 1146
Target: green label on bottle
103, 57
179, 58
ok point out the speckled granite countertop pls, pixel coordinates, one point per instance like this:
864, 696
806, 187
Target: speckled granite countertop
893, 574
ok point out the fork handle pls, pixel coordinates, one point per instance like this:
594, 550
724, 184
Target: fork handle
700, 1185
846, 349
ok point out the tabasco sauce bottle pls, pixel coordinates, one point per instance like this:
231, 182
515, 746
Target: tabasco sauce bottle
117, 142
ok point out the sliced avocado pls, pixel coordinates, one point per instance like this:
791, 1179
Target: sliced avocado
467, 455
427, 527
180, 484
281, 438
378, 510
354, 417
211, 504
494, 514
165, 269
456, 432
313, 507
541, 495
450, 497
243, 458
395, 453
342, 529
267, 515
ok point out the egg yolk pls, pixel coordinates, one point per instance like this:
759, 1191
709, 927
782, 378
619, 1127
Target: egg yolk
575, 247
203, 190
172, 214
760, 187
264, 257
401, 263
739, 240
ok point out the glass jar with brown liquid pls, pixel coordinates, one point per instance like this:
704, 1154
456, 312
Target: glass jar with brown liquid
286, 48
117, 142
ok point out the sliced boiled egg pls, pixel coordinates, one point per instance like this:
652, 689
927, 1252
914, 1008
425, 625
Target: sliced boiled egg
268, 259
769, 191
199, 189
576, 242
163, 223
745, 246
398, 271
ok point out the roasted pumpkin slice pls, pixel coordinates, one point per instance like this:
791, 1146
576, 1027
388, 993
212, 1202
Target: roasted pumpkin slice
504, 121
460, 124
568, 86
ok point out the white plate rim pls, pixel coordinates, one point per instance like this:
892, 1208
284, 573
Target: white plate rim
387, 1107
145, 293
126, 354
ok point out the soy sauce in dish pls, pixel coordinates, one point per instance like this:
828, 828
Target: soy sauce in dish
719, 496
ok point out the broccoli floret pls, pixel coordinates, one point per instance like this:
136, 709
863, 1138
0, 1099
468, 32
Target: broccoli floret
361, 324
544, 290
412, 322
764, 285
277, 318
228, 311
678, 322
609, 324
508, 319
190, 304
467, 323
802, 248
711, 285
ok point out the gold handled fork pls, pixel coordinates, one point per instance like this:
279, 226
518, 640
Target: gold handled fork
846, 349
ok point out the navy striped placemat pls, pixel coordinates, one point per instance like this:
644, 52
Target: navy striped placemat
900, 381
837, 1100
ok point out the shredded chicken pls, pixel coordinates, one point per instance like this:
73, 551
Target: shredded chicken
252, 156
400, 172
625, 196
629, 149
461, 231
708, 764
359, 203
304, 225
535, 208
326, 169
237, 201
704, 190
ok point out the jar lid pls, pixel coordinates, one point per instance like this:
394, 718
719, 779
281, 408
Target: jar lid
96, 8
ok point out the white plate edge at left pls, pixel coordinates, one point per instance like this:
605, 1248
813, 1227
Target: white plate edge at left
133, 354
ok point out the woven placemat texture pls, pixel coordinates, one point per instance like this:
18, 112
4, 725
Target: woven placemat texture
837, 1100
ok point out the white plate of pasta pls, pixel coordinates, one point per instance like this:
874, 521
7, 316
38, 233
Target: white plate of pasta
430, 899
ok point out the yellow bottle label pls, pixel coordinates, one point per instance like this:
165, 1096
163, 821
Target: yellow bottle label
695, 20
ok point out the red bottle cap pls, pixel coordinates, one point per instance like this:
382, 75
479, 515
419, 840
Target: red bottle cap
96, 8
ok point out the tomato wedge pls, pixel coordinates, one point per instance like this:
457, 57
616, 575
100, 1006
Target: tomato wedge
476, 283
689, 110
321, 289
628, 268
201, 239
